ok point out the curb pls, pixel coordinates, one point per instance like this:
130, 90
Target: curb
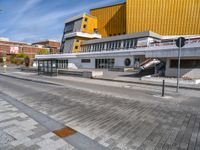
147, 83
112, 80
32, 80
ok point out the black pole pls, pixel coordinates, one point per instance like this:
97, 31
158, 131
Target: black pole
163, 88
179, 64
38, 67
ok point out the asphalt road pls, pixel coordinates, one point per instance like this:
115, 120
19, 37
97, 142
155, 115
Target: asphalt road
118, 117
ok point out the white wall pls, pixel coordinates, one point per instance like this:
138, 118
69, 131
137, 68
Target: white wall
90, 65
75, 63
189, 73
119, 61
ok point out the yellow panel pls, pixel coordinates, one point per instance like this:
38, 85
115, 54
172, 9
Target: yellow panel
111, 19
166, 17
77, 44
90, 23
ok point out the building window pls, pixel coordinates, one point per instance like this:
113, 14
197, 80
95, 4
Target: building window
113, 45
69, 27
104, 63
76, 47
77, 40
86, 19
85, 60
185, 64
84, 26
127, 62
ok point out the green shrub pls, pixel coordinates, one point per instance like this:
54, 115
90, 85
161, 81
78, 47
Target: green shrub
43, 51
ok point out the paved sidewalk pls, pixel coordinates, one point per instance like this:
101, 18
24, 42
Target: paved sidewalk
128, 77
18, 131
137, 123
120, 77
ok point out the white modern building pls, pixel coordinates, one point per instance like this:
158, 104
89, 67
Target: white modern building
137, 51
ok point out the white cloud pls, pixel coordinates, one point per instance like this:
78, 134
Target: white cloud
44, 24
21, 12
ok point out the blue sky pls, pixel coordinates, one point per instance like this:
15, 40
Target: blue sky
34, 20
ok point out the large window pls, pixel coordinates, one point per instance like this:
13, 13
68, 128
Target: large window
185, 64
62, 64
69, 27
112, 45
104, 63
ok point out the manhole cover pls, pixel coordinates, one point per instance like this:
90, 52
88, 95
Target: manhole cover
5, 139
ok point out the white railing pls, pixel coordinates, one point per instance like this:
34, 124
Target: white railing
161, 45
188, 42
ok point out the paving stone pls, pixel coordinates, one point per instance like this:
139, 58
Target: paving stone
5, 138
21, 132
126, 124
33, 147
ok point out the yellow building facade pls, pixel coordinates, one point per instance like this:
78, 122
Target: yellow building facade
165, 17
111, 19
89, 25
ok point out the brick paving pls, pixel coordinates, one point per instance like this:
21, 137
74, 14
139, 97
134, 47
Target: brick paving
120, 123
18, 131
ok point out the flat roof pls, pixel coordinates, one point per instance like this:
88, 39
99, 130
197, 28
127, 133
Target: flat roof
78, 17
48, 40
74, 18
126, 36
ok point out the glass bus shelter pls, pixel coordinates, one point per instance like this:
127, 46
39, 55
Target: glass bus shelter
50, 66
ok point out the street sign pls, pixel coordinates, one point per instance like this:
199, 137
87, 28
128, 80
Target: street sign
180, 42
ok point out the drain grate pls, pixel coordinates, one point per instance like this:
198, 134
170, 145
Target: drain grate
64, 132
5, 139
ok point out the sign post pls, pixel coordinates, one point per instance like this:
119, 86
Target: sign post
180, 42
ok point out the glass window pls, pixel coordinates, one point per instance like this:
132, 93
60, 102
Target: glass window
69, 27
127, 62
185, 64
124, 43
